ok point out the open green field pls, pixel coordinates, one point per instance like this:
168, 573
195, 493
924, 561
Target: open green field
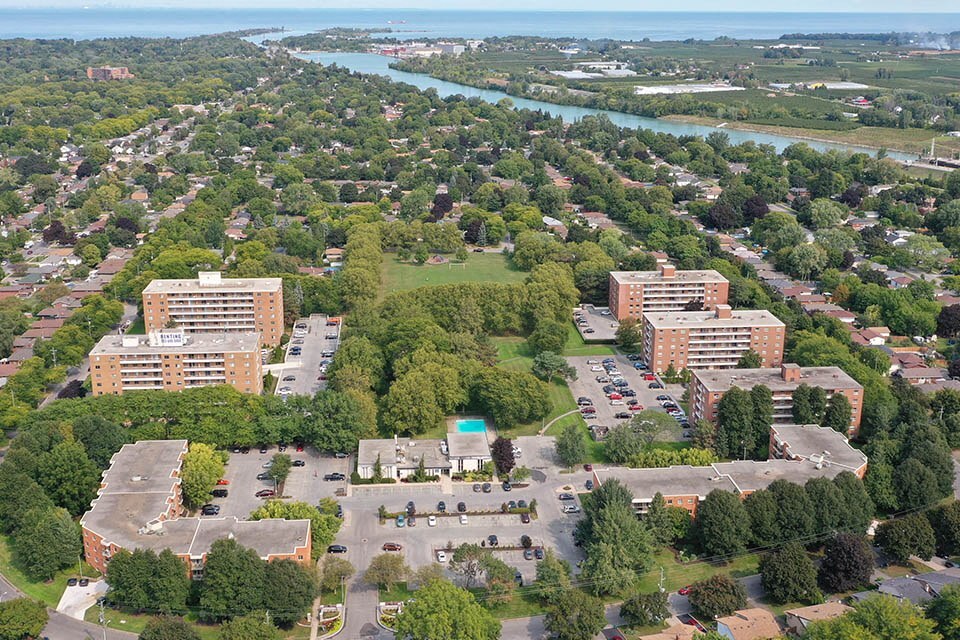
46, 592
135, 623
677, 575
479, 267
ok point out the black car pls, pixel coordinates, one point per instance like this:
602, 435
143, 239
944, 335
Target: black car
538, 553
210, 510
567, 496
493, 541
281, 447
461, 507
411, 508
334, 477
511, 505
263, 448
506, 486
219, 493
609, 388
299, 463
487, 488
84, 582
264, 476
442, 506
525, 518
633, 357
71, 582
654, 385
336, 548
339, 510
623, 415
522, 504
628, 393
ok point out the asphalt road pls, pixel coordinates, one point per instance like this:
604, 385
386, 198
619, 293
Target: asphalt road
304, 369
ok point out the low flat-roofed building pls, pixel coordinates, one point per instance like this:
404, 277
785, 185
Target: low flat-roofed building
711, 339
797, 620
401, 457
633, 293
468, 451
753, 475
170, 360
213, 304
681, 486
817, 445
707, 388
139, 506
749, 624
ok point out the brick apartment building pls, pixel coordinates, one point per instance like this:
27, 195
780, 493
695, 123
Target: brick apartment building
710, 339
211, 304
109, 73
708, 387
170, 360
797, 454
633, 293
139, 506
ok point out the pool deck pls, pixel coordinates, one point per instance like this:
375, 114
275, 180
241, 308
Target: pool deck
452, 426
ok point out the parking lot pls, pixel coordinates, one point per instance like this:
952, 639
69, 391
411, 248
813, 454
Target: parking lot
303, 483
589, 368
595, 324
314, 341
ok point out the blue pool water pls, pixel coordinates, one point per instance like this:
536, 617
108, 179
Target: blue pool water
471, 426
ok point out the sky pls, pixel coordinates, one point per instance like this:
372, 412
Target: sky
892, 6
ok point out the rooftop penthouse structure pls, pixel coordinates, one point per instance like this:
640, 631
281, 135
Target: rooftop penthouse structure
633, 293
212, 304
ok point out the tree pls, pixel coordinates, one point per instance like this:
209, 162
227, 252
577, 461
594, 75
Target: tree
948, 322
645, 608
47, 541
570, 446
143, 580
253, 626
334, 573
629, 334
101, 438
280, 468
659, 520
622, 443
788, 575
847, 563
749, 360
168, 628
288, 590
575, 616
202, 467
553, 578
826, 213
520, 474
547, 365
915, 484
761, 508
467, 560
945, 612
502, 454
68, 476
386, 569
903, 537
549, 335
735, 424
22, 618
722, 524
881, 616
717, 596
837, 414
809, 404
233, 581
442, 610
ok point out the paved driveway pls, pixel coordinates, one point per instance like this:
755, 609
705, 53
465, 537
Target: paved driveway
302, 375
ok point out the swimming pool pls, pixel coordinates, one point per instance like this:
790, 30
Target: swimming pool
471, 426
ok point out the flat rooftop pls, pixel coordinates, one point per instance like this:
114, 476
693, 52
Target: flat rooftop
213, 283
709, 319
409, 455
751, 475
468, 445
682, 480
813, 442
113, 344
647, 277
772, 378
144, 467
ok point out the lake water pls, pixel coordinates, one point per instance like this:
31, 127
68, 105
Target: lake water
97, 22
371, 63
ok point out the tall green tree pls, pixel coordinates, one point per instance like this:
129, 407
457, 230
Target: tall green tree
847, 563
22, 618
233, 581
945, 612
253, 626
48, 541
202, 467
718, 595
553, 577
735, 424
575, 616
788, 575
903, 537
386, 569
837, 414
722, 524
69, 477
442, 610
570, 447
288, 590
809, 404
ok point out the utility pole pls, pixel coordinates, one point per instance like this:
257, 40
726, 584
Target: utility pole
103, 620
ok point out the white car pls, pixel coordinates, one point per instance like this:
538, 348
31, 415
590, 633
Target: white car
605, 312
596, 368
616, 403
441, 556
571, 508
593, 362
463, 518
432, 521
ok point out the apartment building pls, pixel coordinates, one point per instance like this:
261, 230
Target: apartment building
171, 360
109, 73
707, 388
633, 293
139, 506
797, 453
710, 339
211, 304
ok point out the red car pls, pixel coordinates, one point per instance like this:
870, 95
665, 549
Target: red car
588, 467
588, 410
222, 481
265, 493
685, 591
615, 396
299, 446
392, 546
649, 376
636, 407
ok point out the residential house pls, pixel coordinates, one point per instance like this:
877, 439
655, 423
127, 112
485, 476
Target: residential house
797, 620
749, 624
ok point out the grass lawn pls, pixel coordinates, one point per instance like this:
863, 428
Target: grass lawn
577, 347
137, 328
397, 593
46, 592
523, 605
677, 575
135, 622
480, 267
632, 633
910, 569
331, 597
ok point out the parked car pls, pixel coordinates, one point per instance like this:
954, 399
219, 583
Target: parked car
336, 548
300, 446
411, 521
263, 448
589, 485
487, 488
71, 582
84, 582
299, 463
401, 521
219, 493
411, 508
442, 506
588, 410
210, 510
264, 476
441, 556
493, 541
506, 486
654, 385
649, 376
615, 396
528, 554
567, 496
461, 507
333, 477
684, 591
265, 493
628, 393
463, 518
525, 518
538, 553
223, 482
477, 488
638, 366
623, 415
267, 464
615, 403
289, 378
340, 455
570, 508
431, 521
392, 546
